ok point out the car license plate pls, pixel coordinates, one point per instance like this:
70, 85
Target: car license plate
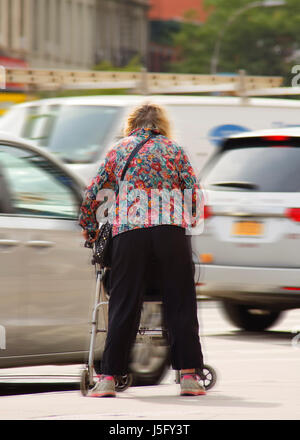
248, 228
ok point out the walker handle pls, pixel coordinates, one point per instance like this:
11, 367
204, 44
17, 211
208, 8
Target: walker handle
89, 244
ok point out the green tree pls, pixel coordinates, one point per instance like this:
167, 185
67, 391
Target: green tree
134, 65
263, 41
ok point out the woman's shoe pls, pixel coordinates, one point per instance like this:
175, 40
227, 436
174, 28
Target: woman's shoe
105, 387
190, 386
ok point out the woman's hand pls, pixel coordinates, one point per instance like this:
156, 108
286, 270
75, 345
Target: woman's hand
87, 237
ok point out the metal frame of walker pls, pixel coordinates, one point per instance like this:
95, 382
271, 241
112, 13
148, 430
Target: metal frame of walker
207, 375
87, 375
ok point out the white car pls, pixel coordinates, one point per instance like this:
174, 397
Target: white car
81, 129
249, 251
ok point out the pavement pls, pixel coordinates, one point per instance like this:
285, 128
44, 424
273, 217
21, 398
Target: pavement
258, 379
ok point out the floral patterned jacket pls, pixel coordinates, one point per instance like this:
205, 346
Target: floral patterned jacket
160, 169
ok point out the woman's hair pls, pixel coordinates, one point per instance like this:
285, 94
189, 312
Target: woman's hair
148, 115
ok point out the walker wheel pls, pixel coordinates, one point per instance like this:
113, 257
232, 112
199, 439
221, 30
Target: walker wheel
85, 382
208, 377
123, 382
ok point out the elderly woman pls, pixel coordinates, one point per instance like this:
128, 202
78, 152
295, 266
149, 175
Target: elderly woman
147, 234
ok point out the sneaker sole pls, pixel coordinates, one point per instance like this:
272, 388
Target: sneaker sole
193, 393
108, 394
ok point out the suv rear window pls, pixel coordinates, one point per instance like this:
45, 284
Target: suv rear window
267, 169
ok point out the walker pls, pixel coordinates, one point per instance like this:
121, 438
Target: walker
207, 375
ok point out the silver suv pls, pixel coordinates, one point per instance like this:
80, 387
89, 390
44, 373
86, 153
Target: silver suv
249, 251
47, 284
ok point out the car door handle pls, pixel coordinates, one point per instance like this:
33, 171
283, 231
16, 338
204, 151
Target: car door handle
40, 243
6, 242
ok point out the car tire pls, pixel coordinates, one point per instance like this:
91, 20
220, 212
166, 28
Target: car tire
153, 378
250, 317
147, 368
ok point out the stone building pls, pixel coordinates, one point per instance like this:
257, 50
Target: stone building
73, 34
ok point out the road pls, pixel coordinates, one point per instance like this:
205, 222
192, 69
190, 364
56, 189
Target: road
258, 379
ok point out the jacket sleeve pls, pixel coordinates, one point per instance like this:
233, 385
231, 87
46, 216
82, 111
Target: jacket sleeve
105, 178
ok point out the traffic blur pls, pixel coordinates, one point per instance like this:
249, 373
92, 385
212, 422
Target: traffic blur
79, 130
246, 256
249, 247
249, 209
47, 280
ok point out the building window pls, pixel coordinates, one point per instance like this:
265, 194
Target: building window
1, 15
68, 34
22, 19
57, 21
47, 16
80, 25
35, 31
9, 24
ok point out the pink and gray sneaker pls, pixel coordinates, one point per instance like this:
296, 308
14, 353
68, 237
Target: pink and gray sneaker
105, 387
190, 386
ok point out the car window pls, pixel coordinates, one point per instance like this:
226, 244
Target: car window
76, 133
36, 186
38, 123
268, 169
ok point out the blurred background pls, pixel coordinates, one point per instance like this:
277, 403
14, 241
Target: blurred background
191, 36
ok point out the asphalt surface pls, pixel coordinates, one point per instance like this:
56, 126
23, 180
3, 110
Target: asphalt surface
257, 379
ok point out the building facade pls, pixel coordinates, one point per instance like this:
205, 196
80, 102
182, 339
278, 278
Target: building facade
73, 34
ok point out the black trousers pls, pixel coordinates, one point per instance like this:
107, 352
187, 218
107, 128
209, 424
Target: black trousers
133, 253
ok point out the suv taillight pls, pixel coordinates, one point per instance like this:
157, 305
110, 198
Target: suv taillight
293, 214
277, 138
207, 211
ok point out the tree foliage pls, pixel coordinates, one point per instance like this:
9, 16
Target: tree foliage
134, 65
262, 41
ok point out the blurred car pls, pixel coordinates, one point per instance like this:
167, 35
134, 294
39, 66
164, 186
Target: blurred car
249, 251
80, 130
47, 280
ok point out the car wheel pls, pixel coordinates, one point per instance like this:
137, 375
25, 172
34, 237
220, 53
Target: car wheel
149, 362
250, 317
